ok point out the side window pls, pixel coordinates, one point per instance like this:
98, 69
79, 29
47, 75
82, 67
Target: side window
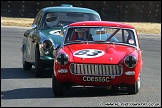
121, 35
69, 35
125, 36
38, 19
95, 18
130, 38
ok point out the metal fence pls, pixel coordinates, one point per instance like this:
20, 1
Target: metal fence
130, 11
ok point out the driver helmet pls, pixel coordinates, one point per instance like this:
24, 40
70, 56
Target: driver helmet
52, 19
81, 32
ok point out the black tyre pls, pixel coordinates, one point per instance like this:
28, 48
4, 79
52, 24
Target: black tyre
134, 88
58, 89
113, 89
39, 67
26, 65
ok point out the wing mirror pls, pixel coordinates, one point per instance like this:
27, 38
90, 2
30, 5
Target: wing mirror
100, 32
34, 26
55, 47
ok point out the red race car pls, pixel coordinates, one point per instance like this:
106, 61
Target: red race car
98, 53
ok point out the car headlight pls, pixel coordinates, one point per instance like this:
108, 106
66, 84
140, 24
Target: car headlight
62, 59
130, 61
47, 44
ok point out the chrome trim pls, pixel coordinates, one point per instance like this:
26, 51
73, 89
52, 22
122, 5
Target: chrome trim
34, 26
96, 70
50, 46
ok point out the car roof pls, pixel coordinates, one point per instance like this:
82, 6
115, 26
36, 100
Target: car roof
68, 8
102, 23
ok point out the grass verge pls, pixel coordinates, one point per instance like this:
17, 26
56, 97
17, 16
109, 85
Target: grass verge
141, 27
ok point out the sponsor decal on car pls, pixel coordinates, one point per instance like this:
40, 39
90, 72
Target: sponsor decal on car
131, 41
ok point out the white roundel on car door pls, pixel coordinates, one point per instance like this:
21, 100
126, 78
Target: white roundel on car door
55, 32
88, 53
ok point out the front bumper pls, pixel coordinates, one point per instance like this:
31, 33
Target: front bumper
47, 61
89, 80
95, 80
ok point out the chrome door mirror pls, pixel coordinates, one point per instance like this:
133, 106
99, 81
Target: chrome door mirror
55, 47
34, 26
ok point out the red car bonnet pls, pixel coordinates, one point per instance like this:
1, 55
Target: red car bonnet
97, 53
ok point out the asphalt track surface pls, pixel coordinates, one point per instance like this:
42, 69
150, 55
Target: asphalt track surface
20, 88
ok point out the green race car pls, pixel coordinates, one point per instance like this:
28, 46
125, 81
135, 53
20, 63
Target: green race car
40, 41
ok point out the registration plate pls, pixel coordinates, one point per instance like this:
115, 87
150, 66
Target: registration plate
95, 79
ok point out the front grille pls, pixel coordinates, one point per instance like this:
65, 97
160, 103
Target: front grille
95, 69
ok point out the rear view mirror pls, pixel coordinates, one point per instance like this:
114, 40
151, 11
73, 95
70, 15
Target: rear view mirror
73, 14
100, 32
51, 19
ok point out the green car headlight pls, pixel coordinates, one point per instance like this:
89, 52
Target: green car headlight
47, 44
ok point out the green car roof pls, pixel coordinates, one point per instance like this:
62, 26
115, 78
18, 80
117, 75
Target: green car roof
69, 8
